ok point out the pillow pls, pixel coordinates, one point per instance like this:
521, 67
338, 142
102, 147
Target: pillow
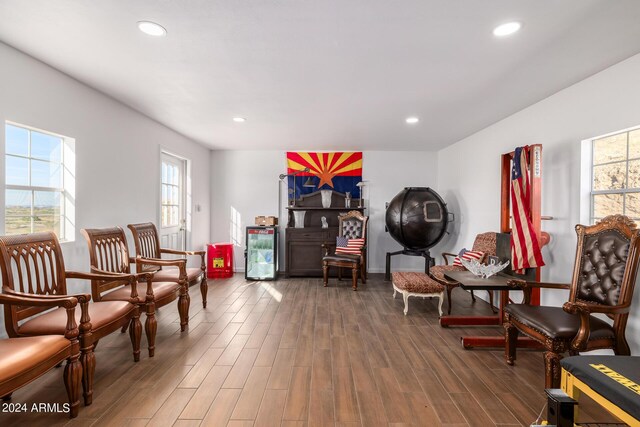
349, 246
467, 255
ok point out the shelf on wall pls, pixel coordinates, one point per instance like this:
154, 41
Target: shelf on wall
317, 208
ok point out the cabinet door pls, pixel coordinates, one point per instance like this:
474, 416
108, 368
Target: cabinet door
304, 258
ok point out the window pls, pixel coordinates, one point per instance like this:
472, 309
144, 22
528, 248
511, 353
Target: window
170, 194
615, 175
38, 182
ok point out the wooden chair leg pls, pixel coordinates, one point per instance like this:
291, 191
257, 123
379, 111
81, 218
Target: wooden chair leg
135, 333
449, 289
511, 342
88, 361
7, 397
204, 289
183, 307
72, 382
363, 273
354, 277
150, 328
124, 328
552, 369
339, 273
473, 297
325, 274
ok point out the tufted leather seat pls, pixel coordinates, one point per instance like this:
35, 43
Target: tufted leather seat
605, 271
555, 323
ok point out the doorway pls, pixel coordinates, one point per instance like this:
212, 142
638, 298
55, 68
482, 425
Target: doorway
173, 212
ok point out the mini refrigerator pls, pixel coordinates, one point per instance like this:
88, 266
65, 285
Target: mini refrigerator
261, 254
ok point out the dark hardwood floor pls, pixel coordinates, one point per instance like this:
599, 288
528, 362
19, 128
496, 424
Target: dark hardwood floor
292, 353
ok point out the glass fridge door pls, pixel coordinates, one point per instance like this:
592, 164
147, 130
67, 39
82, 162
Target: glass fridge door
261, 253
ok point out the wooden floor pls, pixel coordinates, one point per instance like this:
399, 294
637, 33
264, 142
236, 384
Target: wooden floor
293, 353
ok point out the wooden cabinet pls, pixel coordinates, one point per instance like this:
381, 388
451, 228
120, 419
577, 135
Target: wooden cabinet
303, 245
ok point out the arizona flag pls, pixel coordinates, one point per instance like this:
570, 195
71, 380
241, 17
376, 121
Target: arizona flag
338, 171
525, 249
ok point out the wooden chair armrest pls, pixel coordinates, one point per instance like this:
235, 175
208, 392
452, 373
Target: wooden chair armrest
447, 254
578, 306
579, 342
180, 263
19, 298
176, 252
67, 302
519, 283
127, 278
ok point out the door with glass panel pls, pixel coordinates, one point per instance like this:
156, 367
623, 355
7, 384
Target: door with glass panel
172, 202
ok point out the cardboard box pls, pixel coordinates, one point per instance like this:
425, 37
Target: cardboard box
266, 220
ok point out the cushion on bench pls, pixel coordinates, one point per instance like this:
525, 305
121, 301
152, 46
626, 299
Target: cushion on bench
419, 283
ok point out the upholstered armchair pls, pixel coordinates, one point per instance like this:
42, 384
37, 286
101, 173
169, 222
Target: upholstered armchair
147, 243
352, 225
604, 276
22, 360
109, 254
484, 242
33, 267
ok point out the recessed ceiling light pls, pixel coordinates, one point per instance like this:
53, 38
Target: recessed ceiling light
151, 28
239, 119
506, 29
412, 120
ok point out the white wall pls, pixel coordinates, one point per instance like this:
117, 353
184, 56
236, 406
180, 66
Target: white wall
117, 151
247, 181
469, 171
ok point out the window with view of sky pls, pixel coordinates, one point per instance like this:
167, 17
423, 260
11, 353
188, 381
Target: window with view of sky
37, 177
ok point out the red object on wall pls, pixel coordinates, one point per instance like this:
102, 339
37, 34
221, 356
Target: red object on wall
219, 260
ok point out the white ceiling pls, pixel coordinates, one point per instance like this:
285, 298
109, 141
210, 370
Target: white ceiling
325, 74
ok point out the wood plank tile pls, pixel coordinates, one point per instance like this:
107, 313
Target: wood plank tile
206, 393
271, 408
345, 400
241, 368
249, 401
297, 406
222, 407
172, 407
281, 371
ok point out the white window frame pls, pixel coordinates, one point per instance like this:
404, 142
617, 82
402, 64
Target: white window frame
587, 200
67, 181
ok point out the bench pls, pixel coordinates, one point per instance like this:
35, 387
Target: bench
411, 284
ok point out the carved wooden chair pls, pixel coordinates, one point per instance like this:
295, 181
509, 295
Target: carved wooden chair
147, 243
604, 276
484, 242
108, 254
32, 265
352, 225
22, 360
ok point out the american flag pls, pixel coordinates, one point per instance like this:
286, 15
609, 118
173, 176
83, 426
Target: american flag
349, 246
525, 249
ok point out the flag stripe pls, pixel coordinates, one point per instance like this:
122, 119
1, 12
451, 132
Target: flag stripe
525, 250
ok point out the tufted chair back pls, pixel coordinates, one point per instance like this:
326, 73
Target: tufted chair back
606, 262
486, 242
352, 225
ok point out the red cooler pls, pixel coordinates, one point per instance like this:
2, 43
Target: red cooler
219, 260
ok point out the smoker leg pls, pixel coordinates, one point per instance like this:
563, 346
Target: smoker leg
387, 271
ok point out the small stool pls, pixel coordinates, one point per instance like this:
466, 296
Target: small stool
416, 285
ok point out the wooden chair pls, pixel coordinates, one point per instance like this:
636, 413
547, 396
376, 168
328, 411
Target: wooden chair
32, 264
484, 242
147, 243
352, 225
604, 276
22, 360
108, 254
